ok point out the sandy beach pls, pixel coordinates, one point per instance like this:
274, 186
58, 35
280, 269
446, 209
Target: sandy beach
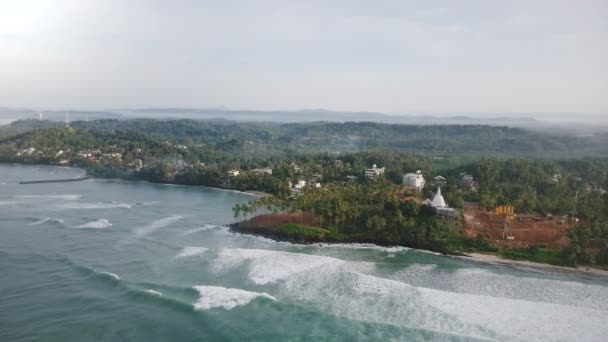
257, 193
494, 259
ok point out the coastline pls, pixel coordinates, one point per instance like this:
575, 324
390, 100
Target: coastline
496, 260
87, 175
476, 257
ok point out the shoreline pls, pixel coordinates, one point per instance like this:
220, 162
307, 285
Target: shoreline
255, 193
490, 259
519, 264
476, 257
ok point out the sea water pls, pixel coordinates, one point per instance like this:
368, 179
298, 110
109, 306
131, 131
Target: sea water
108, 260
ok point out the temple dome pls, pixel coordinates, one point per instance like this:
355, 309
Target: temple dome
438, 201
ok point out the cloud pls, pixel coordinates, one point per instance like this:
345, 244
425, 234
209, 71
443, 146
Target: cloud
386, 55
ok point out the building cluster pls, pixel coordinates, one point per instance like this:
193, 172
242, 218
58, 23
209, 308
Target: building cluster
262, 171
297, 188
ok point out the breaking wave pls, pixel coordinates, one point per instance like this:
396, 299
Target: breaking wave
366, 246
48, 219
98, 224
478, 281
356, 291
109, 274
268, 266
98, 205
227, 298
9, 203
67, 197
156, 225
201, 229
191, 251
154, 292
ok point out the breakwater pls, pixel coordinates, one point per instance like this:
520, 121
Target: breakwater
56, 180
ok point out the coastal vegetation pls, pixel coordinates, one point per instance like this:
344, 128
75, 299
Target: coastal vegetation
329, 160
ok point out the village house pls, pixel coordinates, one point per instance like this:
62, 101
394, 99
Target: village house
295, 167
261, 171
467, 181
27, 151
374, 172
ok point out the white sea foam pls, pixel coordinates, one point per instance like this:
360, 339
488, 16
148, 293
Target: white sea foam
201, 229
154, 292
9, 203
370, 298
520, 319
98, 224
156, 225
149, 203
393, 249
110, 274
45, 220
485, 282
356, 291
98, 205
67, 197
221, 297
191, 251
267, 266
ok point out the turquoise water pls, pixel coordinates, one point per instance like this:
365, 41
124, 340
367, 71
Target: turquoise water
103, 260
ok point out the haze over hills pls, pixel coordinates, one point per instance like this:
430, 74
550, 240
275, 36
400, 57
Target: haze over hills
562, 126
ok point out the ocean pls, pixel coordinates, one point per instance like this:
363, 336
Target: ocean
109, 260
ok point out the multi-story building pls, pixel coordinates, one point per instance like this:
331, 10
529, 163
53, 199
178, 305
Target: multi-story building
414, 180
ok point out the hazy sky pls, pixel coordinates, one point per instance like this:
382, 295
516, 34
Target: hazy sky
395, 56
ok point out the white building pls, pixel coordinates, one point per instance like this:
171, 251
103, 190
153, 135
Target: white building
298, 188
233, 173
295, 167
264, 170
374, 172
442, 208
415, 180
438, 201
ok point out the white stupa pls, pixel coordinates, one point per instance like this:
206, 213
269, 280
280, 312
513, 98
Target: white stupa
438, 201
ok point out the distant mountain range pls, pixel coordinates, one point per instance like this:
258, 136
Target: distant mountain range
307, 115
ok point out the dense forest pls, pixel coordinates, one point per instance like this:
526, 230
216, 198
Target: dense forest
369, 212
262, 139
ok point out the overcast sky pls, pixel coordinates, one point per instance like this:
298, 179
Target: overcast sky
393, 56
